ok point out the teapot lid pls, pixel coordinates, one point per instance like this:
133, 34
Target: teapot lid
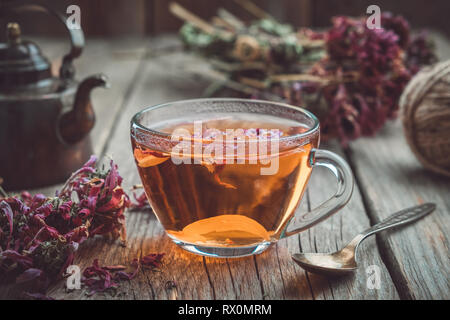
21, 61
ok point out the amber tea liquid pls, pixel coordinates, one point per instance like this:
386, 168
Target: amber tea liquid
225, 204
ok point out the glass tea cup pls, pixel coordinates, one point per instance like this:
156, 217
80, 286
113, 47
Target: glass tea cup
225, 176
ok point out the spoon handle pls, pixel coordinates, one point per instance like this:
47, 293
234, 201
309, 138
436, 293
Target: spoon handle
399, 218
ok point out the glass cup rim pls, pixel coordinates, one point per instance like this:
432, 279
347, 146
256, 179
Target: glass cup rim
311, 131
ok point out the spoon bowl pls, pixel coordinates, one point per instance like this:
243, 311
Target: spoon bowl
325, 263
344, 261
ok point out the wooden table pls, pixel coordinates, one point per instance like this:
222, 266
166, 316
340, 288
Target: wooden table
413, 262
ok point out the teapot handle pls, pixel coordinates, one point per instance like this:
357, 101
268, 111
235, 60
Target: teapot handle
67, 70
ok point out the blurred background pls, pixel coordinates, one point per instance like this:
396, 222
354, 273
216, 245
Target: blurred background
111, 18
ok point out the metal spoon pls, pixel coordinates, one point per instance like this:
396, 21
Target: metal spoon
344, 261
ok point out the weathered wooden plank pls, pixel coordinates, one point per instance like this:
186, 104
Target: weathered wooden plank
157, 82
282, 279
270, 275
335, 233
196, 277
391, 179
273, 281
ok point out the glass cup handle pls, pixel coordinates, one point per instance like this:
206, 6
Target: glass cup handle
344, 177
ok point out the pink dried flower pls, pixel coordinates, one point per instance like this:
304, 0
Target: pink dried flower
140, 203
39, 235
105, 278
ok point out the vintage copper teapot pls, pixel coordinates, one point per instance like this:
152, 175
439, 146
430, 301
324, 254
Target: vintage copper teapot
45, 120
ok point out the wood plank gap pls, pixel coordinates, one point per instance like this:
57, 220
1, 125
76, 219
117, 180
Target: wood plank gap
310, 286
259, 278
150, 285
308, 203
209, 278
146, 273
232, 279
331, 288
385, 251
281, 271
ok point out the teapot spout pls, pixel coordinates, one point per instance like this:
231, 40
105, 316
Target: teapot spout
75, 124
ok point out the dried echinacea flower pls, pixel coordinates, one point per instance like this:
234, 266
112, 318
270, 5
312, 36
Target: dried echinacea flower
152, 260
101, 197
39, 235
368, 68
140, 201
98, 279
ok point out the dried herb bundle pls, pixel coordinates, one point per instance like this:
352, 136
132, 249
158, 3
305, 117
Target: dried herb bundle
349, 75
39, 235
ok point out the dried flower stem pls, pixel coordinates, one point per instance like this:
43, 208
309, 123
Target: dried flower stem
188, 16
254, 9
3, 192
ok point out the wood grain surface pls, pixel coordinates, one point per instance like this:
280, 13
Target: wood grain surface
271, 275
413, 261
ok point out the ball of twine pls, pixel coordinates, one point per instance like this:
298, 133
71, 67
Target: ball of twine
425, 108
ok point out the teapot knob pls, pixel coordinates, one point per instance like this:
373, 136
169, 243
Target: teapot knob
13, 33
67, 71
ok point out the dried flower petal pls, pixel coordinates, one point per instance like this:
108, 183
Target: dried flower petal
29, 275
100, 279
16, 257
152, 260
141, 202
37, 296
